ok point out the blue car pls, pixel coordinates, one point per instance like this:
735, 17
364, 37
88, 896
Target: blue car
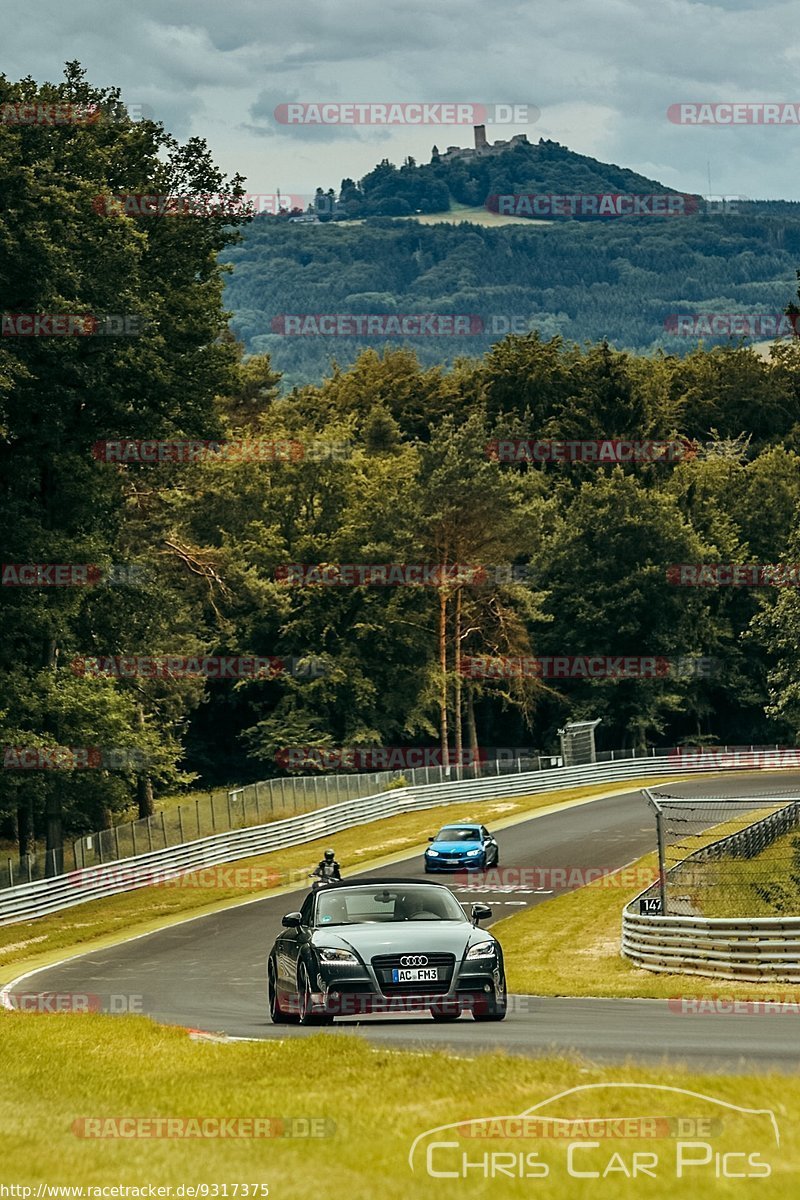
463, 847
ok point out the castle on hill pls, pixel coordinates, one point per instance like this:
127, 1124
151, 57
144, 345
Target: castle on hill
482, 148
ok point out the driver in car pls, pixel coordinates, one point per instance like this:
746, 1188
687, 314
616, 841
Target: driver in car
412, 908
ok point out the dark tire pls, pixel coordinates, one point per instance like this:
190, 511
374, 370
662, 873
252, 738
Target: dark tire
276, 1013
307, 1016
492, 1009
445, 1012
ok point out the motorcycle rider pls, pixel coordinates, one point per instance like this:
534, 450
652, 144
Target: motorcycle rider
328, 869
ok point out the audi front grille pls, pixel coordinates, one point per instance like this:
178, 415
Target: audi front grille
384, 964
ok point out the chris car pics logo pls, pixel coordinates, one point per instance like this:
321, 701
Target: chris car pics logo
605, 1132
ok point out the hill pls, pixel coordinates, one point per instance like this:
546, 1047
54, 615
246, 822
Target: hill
627, 279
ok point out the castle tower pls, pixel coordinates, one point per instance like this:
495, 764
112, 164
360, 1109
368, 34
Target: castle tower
480, 138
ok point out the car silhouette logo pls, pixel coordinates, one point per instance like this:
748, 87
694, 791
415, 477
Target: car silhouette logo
413, 960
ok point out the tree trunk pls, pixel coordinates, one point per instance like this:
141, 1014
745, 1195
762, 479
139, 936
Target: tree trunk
473, 732
457, 684
443, 673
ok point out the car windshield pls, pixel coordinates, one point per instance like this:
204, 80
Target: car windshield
387, 904
458, 833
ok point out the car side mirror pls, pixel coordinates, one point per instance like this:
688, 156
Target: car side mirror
480, 912
431, 839
292, 920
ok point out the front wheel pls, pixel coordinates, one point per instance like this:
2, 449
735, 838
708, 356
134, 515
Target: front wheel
494, 1008
307, 1014
276, 1013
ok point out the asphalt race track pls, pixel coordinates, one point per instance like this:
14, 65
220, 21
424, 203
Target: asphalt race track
209, 973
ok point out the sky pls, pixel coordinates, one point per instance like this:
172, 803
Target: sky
596, 75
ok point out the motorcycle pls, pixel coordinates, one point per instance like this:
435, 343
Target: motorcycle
324, 881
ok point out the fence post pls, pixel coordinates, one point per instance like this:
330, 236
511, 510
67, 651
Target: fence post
164, 829
149, 836
133, 838
10, 874
213, 816
180, 822
116, 841
230, 814
244, 808
662, 866
197, 813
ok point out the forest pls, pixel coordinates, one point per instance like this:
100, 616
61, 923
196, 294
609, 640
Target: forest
388, 459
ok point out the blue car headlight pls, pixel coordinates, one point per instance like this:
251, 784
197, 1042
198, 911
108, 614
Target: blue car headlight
481, 950
432, 853
473, 853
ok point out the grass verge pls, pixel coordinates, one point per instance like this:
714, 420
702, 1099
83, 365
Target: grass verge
59, 1070
30, 944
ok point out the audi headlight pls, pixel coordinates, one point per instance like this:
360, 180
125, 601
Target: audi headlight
432, 853
331, 955
482, 950
473, 853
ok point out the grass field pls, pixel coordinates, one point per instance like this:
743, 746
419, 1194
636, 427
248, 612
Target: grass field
67, 1076
29, 944
458, 213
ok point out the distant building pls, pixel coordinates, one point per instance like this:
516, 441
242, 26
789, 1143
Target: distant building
482, 147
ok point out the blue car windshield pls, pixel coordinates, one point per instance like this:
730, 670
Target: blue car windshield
458, 833
386, 904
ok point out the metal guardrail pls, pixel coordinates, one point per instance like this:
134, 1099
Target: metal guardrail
752, 949
30, 900
251, 804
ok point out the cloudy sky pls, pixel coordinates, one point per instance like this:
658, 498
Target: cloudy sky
602, 73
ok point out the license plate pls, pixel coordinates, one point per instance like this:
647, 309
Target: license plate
414, 975
452, 862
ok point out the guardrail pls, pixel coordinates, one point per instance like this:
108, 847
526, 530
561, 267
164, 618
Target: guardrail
30, 900
253, 804
752, 949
